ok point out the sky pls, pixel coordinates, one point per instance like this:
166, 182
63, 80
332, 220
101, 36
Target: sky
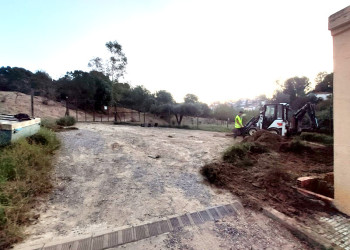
219, 50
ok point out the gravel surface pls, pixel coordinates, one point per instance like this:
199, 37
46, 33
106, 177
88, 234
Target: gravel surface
109, 176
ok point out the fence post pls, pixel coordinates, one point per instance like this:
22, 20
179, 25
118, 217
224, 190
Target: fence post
115, 113
67, 109
197, 121
108, 114
144, 118
32, 101
76, 109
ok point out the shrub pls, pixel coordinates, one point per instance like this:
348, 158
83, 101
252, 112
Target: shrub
66, 121
241, 152
236, 152
24, 173
7, 169
49, 123
298, 147
314, 137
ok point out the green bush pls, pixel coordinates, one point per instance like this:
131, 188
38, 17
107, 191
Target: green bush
46, 138
7, 169
240, 154
241, 151
66, 121
314, 137
49, 123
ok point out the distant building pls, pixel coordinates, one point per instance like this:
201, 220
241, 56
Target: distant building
321, 95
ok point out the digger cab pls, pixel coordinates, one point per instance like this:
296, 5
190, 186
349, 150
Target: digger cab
275, 118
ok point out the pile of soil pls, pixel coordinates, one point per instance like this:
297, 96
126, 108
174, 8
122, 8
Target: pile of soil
271, 175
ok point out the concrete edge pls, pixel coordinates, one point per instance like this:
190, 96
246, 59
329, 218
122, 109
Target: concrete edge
74, 242
300, 232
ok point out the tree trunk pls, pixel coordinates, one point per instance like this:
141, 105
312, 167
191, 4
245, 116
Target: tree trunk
179, 119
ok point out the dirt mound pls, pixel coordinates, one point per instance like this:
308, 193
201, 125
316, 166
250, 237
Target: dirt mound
268, 177
272, 141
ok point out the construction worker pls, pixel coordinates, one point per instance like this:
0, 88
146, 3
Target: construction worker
238, 125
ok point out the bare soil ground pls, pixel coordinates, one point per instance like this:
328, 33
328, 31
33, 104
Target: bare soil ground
269, 178
16, 102
109, 176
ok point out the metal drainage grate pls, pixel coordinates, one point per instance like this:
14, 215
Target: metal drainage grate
145, 231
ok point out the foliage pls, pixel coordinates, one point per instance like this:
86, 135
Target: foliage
163, 97
190, 98
83, 86
293, 91
239, 154
315, 137
324, 114
114, 66
66, 121
296, 146
24, 174
224, 111
49, 123
15, 79
120, 92
324, 82
138, 98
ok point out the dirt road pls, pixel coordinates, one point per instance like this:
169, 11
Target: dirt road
110, 176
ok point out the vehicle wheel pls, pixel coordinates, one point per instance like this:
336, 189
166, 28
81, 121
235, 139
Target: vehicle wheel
274, 131
252, 131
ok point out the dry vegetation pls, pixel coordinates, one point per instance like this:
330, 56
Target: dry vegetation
24, 175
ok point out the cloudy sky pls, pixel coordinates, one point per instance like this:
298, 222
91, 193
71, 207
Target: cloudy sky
219, 50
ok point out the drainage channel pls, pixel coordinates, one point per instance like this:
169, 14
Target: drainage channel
131, 234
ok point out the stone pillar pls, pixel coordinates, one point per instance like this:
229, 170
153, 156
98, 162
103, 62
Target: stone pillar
339, 25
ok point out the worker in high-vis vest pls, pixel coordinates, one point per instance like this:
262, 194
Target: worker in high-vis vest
239, 125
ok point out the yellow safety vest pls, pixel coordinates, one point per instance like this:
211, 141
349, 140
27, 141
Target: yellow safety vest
238, 121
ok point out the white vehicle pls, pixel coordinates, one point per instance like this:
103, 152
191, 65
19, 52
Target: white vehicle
278, 119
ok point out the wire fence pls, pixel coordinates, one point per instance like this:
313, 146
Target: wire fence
87, 111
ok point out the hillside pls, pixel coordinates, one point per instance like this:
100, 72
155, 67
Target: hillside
15, 102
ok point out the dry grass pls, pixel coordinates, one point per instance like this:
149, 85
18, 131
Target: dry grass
24, 174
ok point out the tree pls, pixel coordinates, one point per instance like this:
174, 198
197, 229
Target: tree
205, 111
324, 82
114, 66
138, 98
119, 91
185, 109
15, 79
223, 111
190, 98
280, 97
296, 87
88, 88
163, 97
